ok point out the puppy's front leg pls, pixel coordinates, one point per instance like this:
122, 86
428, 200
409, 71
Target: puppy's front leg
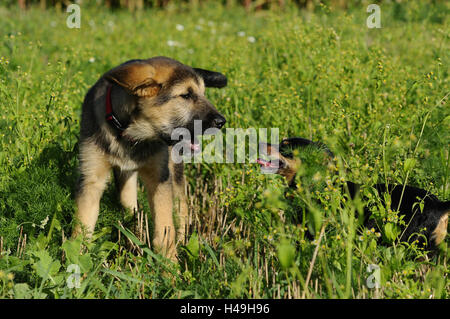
126, 184
160, 196
180, 200
95, 171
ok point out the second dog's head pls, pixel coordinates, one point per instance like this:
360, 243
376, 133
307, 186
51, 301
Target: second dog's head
165, 94
286, 159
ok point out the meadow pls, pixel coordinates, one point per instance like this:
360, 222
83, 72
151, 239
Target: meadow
377, 97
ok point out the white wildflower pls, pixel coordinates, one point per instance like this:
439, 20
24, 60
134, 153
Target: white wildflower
172, 43
43, 222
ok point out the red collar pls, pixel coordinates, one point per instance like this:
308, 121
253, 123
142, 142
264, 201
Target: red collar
110, 117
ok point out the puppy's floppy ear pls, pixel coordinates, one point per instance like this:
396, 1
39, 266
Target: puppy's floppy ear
211, 78
136, 77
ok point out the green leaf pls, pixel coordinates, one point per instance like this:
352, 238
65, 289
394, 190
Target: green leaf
373, 245
122, 276
211, 253
337, 265
391, 231
54, 224
409, 164
286, 253
72, 248
22, 291
13, 263
108, 246
45, 267
41, 242
388, 230
193, 246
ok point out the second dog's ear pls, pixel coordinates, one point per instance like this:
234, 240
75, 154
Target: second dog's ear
211, 78
136, 77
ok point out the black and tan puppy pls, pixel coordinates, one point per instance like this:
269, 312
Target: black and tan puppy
430, 223
127, 120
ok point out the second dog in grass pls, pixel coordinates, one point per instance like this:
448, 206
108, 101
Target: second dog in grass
424, 215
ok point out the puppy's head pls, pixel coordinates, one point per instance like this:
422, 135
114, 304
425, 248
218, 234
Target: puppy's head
167, 95
286, 158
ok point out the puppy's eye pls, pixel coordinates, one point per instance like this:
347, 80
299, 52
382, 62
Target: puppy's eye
186, 96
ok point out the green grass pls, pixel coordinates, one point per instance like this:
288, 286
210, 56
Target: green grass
374, 96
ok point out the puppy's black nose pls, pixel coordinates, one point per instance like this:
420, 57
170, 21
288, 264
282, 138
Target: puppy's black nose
219, 121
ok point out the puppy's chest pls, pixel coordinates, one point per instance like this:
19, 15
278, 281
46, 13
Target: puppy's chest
132, 156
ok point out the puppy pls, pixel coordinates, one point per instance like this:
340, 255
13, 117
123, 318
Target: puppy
127, 120
430, 223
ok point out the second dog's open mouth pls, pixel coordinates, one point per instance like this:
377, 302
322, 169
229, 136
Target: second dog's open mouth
270, 164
